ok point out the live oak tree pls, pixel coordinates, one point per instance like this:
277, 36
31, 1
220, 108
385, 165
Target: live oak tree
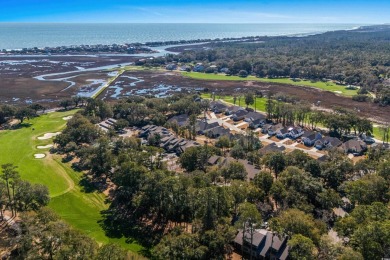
368, 230
293, 222
301, 248
111, 252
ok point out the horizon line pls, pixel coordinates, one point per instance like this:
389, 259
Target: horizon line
7, 22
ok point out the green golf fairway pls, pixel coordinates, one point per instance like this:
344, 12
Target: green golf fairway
81, 210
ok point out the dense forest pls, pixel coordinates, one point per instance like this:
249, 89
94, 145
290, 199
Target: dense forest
357, 57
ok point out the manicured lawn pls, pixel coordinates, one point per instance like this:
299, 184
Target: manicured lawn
377, 133
79, 209
328, 86
260, 102
19, 146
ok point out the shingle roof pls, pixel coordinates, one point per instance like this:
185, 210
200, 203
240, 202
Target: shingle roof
255, 116
265, 241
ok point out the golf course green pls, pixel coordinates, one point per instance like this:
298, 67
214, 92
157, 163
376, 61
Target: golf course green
78, 208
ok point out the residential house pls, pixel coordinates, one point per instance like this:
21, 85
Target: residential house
199, 68
225, 70
203, 126
271, 148
184, 145
168, 141
218, 107
274, 129
250, 169
181, 120
327, 142
239, 115
265, 128
148, 130
255, 119
213, 160
171, 66
231, 110
355, 146
217, 132
263, 244
107, 124
282, 133
295, 132
310, 137
185, 68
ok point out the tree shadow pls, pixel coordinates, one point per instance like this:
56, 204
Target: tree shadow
22, 125
67, 158
146, 234
88, 185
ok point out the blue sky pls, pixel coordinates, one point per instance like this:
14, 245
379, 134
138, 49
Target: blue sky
212, 11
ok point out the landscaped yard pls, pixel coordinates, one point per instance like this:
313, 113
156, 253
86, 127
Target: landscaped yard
79, 209
328, 86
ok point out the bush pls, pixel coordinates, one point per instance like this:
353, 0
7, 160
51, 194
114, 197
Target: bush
243, 73
209, 70
361, 98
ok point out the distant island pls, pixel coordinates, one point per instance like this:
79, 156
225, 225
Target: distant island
140, 48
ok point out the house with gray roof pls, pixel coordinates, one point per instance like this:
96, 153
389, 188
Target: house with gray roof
273, 130
265, 128
355, 146
181, 120
214, 159
271, 148
295, 132
263, 245
231, 110
239, 115
327, 142
217, 132
310, 137
282, 133
218, 107
203, 126
255, 119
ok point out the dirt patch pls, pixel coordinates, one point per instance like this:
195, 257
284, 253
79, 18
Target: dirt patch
289, 142
275, 139
356, 159
302, 146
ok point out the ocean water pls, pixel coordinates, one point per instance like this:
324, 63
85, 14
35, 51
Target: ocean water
26, 35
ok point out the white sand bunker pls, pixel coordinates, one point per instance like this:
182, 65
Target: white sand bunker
45, 146
48, 136
67, 118
39, 155
338, 92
